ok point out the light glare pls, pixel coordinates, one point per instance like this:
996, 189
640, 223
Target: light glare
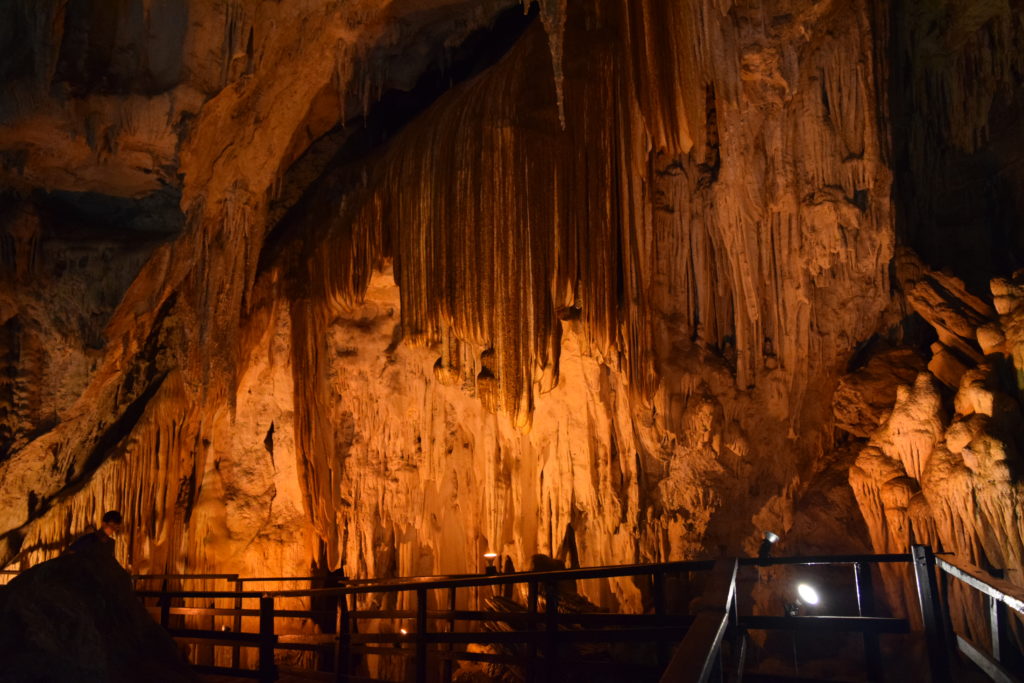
807, 594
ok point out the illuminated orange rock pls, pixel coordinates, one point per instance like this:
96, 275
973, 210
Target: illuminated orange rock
614, 280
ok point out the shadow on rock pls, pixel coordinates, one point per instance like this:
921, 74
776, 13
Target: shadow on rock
76, 618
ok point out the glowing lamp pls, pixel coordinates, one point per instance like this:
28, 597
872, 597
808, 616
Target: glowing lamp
770, 539
807, 594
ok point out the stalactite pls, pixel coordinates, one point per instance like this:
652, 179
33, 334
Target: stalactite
597, 253
552, 14
146, 482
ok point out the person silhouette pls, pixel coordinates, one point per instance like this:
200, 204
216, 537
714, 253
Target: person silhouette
101, 540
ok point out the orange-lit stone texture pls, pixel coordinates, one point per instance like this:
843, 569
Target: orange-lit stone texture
673, 273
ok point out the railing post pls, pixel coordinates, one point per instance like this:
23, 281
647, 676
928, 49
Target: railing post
342, 648
452, 604
658, 597
531, 631
698, 656
236, 626
165, 605
551, 634
997, 625
928, 598
267, 671
739, 635
421, 632
866, 608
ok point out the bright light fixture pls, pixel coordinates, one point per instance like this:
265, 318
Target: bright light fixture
490, 556
403, 631
808, 595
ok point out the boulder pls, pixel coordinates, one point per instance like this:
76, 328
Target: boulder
76, 618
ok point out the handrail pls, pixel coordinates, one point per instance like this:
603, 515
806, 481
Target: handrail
468, 581
228, 577
694, 660
361, 586
1000, 594
824, 559
697, 654
606, 571
1000, 589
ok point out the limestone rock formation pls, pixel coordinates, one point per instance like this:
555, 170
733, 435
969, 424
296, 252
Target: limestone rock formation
864, 398
947, 472
384, 285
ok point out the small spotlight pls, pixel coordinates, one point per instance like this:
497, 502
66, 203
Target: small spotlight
490, 556
770, 539
808, 595
403, 631
490, 569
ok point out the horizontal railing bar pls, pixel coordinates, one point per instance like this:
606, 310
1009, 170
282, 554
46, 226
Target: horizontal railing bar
302, 647
363, 586
823, 623
200, 594
983, 661
485, 637
230, 612
599, 665
461, 656
307, 638
244, 579
619, 571
581, 618
292, 674
517, 617
458, 615
206, 611
225, 671
216, 637
387, 651
346, 582
141, 577
824, 559
304, 613
1000, 589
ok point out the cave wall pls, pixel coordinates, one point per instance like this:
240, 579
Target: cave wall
696, 277
613, 280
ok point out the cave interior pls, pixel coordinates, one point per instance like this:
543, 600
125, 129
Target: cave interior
377, 287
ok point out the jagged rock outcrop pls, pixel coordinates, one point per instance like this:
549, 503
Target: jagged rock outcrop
947, 472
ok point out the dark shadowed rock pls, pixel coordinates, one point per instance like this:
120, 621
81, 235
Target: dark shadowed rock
76, 618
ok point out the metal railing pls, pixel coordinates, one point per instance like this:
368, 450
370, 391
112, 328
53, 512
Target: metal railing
699, 656
539, 635
1001, 596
